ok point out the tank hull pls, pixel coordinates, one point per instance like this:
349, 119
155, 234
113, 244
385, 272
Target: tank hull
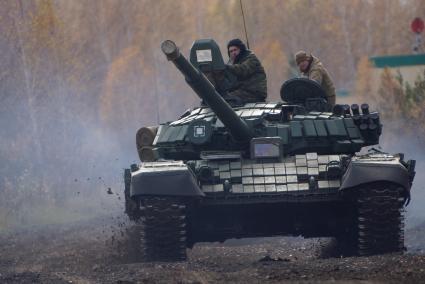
262, 199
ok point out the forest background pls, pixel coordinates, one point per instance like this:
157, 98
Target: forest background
78, 78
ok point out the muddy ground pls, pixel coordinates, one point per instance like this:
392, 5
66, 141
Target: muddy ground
95, 251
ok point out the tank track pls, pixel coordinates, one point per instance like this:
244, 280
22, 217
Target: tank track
380, 219
163, 230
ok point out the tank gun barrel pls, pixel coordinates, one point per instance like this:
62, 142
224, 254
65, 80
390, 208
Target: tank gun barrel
206, 91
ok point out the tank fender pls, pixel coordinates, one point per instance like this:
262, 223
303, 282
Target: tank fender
362, 172
172, 178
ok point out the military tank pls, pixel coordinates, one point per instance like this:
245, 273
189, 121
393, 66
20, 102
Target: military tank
225, 170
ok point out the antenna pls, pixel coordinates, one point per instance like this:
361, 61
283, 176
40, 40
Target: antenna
244, 25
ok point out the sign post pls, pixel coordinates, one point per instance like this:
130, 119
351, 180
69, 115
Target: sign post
417, 27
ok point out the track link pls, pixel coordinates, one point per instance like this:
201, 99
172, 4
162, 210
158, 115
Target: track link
163, 231
380, 220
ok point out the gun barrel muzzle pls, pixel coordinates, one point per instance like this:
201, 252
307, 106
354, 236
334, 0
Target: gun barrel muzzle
170, 49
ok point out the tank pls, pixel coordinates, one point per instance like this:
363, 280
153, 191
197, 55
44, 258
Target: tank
297, 167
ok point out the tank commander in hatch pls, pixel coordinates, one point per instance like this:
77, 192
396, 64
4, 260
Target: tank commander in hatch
310, 67
250, 74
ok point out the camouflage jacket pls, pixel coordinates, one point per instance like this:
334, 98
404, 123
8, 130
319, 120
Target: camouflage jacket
319, 74
251, 75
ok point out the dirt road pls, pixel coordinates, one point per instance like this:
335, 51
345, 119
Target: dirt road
96, 252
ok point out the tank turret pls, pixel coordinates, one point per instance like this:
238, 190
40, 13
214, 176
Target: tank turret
206, 91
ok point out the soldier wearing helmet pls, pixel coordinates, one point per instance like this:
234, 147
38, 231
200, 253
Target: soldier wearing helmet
310, 67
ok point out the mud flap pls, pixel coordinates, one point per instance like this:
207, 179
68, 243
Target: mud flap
359, 173
164, 179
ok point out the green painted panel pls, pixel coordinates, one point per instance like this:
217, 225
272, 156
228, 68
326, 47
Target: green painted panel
398, 60
353, 132
349, 122
340, 127
296, 129
182, 133
175, 133
331, 127
271, 131
309, 129
165, 134
320, 128
283, 132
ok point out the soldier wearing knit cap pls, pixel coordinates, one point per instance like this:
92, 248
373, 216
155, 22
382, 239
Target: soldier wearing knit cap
311, 68
250, 74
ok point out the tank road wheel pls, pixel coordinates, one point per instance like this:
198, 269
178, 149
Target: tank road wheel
380, 220
164, 229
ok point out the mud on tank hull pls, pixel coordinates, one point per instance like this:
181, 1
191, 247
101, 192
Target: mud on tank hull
179, 204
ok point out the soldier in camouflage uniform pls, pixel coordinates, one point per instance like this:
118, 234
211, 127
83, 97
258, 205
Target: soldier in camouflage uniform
311, 68
252, 81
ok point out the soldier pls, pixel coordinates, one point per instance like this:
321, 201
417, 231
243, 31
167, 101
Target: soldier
311, 68
252, 81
